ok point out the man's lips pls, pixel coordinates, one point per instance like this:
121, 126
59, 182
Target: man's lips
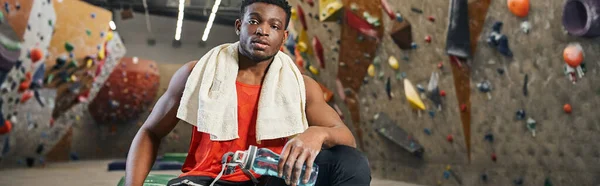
260, 44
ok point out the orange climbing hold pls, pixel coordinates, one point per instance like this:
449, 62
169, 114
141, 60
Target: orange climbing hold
519, 7
36, 54
6, 128
567, 108
573, 55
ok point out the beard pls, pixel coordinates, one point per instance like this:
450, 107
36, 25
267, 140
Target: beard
255, 55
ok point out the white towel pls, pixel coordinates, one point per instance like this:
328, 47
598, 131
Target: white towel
209, 100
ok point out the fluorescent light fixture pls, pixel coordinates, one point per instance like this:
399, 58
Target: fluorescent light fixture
211, 19
179, 20
112, 25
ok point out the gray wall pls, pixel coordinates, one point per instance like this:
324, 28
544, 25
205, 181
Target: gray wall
134, 34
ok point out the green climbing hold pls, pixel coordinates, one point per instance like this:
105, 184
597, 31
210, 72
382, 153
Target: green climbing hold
547, 182
50, 77
50, 22
1, 16
88, 32
399, 76
73, 63
69, 47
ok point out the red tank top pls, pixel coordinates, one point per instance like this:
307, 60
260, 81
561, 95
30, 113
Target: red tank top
204, 156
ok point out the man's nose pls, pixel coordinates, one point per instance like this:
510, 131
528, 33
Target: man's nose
263, 30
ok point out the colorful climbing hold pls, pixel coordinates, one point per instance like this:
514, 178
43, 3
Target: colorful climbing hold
431, 18
26, 96
6, 128
388, 88
494, 157
442, 93
431, 113
567, 108
35, 55
413, 45
428, 39
484, 177
427, 131
520, 114
449, 138
463, 107
573, 54
393, 62
412, 96
519, 8
489, 137
69, 47
313, 70
371, 70
446, 174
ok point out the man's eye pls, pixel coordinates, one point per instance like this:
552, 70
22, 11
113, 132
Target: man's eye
275, 27
253, 22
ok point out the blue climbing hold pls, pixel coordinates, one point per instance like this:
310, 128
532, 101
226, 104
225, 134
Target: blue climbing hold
414, 45
432, 113
427, 131
73, 156
489, 137
484, 177
520, 114
446, 174
93, 15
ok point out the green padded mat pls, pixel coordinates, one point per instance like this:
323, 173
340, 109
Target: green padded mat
153, 180
179, 157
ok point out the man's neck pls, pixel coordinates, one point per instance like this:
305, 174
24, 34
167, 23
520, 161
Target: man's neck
252, 72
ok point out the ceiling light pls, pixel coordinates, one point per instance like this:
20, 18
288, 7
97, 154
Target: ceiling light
211, 19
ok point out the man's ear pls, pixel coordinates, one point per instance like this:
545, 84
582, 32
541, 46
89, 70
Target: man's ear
238, 25
285, 36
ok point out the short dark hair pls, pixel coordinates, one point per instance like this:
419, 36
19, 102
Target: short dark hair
280, 3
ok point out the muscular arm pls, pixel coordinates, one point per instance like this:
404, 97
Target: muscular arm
323, 119
160, 122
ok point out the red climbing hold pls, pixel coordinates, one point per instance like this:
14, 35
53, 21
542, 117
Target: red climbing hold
28, 94
431, 18
442, 93
302, 18
440, 65
463, 107
51, 122
450, 138
388, 10
356, 22
567, 108
6, 128
35, 55
310, 2
318, 51
428, 39
494, 158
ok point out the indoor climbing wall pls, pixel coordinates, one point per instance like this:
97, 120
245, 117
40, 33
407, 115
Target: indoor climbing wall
413, 110
66, 52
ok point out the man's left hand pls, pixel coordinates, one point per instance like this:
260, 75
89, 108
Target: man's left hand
299, 151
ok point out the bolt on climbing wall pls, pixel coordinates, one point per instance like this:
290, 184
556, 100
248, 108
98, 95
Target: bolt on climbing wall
507, 98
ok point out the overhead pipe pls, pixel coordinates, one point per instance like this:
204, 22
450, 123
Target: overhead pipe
581, 17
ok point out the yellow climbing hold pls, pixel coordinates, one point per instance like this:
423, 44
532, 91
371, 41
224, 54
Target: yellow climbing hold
73, 78
101, 53
447, 167
313, 70
393, 63
109, 36
89, 63
412, 96
302, 47
371, 70
294, 15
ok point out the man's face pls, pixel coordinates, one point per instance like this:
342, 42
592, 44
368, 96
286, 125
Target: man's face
262, 31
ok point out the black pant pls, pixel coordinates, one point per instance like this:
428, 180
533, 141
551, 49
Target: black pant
338, 166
